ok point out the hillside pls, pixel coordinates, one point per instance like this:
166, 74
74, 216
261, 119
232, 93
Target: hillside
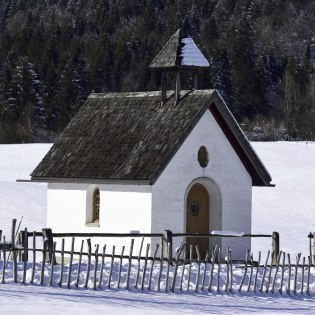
54, 53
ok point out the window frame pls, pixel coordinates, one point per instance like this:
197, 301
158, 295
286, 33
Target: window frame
93, 205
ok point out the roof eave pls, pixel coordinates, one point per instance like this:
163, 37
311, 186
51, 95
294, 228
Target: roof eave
38, 179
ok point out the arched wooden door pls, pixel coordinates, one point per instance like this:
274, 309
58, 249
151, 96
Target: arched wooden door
197, 218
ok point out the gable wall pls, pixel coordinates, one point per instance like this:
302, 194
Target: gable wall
123, 208
224, 169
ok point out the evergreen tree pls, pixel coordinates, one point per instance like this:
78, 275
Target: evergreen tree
53, 54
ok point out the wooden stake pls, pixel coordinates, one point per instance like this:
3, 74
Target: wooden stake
43, 266
213, 255
251, 272
4, 261
276, 272
52, 263
270, 270
198, 268
282, 273
129, 263
227, 271
111, 268
24, 271
173, 285
183, 268
190, 264
95, 267
88, 266
298, 257
219, 263
204, 271
138, 270
289, 274
70, 262
168, 262
62, 261
308, 275
102, 267
264, 272
302, 276
79, 265
145, 266
120, 265
245, 271
34, 257
161, 266
152, 266
231, 271
14, 252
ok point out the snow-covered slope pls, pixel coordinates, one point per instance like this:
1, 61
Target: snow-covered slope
21, 199
288, 208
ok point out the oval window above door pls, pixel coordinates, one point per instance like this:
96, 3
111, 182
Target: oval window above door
203, 157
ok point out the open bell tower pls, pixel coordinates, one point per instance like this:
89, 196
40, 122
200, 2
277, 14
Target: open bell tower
179, 55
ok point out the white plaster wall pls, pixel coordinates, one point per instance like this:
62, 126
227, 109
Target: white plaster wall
224, 168
123, 208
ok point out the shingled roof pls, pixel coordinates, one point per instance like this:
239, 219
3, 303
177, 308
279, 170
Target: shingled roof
127, 137
180, 53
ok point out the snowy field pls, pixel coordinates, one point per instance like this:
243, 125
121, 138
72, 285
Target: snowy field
288, 208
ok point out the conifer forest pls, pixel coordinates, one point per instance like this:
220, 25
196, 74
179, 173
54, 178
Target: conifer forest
54, 53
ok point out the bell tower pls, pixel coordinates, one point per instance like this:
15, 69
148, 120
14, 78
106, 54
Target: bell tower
179, 55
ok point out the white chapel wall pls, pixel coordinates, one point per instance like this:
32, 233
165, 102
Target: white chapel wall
224, 168
123, 208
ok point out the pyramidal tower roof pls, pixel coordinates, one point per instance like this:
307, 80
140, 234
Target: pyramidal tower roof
180, 52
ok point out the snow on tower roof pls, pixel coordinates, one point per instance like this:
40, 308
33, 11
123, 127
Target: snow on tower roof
191, 54
180, 52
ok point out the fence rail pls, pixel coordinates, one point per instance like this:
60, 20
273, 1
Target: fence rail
167, 238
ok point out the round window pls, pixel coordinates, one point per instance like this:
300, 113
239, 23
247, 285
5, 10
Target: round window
203, 158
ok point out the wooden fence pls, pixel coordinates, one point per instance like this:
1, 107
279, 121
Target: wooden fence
103, 268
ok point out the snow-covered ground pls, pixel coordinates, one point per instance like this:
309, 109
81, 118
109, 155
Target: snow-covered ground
288, 208
21, 199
